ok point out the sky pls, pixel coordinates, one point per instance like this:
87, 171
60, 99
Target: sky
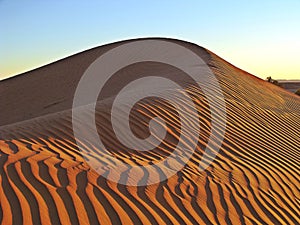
259, 36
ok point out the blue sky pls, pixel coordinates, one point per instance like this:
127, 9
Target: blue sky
261, 37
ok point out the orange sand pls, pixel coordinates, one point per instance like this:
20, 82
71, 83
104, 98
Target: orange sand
254, 179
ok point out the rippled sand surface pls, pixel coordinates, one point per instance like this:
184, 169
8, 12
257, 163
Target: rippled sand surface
44, 179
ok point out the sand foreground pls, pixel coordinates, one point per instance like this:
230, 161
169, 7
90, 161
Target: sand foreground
44, 179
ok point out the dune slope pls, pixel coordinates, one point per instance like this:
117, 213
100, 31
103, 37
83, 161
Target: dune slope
44, 179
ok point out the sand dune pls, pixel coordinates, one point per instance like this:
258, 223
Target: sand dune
291, 85
44, 179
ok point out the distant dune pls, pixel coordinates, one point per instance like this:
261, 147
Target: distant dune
44, 179
290, 85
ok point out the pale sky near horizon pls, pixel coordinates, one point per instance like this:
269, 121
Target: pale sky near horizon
261, 37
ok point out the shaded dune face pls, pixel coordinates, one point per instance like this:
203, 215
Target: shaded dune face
253, 180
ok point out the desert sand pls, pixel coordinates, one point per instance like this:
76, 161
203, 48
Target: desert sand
44, 179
